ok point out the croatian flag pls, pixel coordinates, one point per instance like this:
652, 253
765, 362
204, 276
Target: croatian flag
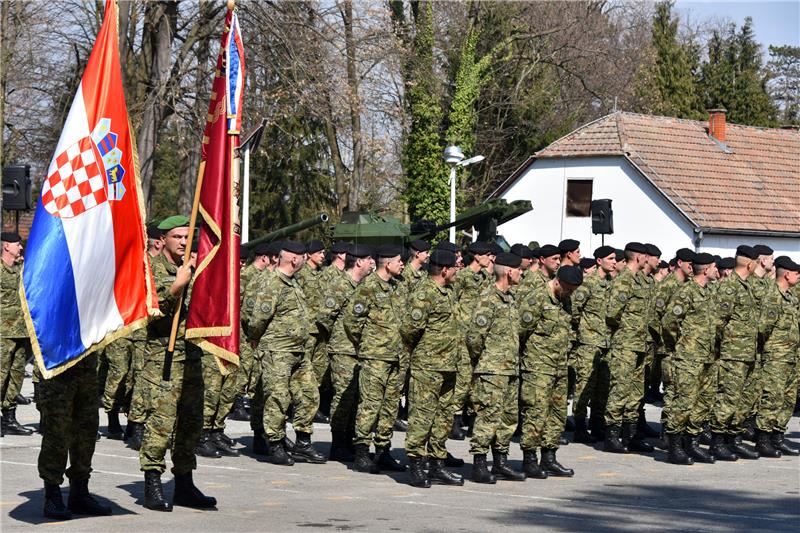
86, 279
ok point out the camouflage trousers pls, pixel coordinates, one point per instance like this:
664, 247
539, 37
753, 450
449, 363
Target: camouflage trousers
344, 376
543, 406
380, 385
219, 393
729, 409
319, 359
751, 396
496, 402
137, 408
290, 379
12, 369
258, 390
585, 361
667, 382
174, 409
430, 413
780, 381
117, 358
463, 381
244, 379
692, 394
68, 405
626, 386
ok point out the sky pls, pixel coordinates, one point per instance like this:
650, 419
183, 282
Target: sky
774, 22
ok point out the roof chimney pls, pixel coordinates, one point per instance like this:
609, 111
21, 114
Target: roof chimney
716, 124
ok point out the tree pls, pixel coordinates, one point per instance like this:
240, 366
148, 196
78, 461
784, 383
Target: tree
784, 68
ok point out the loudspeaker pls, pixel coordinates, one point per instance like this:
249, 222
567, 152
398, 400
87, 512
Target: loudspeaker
602, 217
17, 188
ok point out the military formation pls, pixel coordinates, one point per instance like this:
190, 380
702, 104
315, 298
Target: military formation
478, 343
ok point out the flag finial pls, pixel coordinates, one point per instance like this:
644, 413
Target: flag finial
231, 4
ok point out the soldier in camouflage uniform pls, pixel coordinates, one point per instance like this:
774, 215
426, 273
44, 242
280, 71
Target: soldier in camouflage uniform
174, 407
280, 322
218, 397
546, 325
14, 337
372, 322
493, 342
118, 356
781, 342
689, 330
433, 334
414, 271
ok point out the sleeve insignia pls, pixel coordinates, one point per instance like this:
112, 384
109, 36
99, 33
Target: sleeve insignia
358, 308
725, 305
677, 310
622, 297
580, 296
532, 301
729, 291
771, 314
416, 314
660, 303
330, 303
266, 307
481, 320
527, 317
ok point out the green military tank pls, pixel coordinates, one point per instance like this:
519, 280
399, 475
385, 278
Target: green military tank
287, 231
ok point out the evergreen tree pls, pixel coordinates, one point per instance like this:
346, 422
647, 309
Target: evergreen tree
784, 68
673, 73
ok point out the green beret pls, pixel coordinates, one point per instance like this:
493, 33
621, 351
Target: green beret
175, 221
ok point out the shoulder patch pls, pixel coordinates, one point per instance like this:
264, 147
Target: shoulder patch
416, 313
729, 291
266, 307
330, 302
771, 314
725, 305
622, 297
532, 301
660, 303
358, 308
481, 320
677, 310
527, 317
580, 296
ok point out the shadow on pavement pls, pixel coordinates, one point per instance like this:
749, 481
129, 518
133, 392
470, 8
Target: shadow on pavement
30, 511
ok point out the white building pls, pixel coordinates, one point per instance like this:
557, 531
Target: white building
709, 186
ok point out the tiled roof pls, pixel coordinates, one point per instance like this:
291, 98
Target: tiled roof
755, 187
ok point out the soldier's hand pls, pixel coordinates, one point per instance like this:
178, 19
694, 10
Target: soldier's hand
182, 278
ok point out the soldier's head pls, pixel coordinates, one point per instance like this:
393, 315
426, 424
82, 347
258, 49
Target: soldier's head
507, 270
568, 278
154, 242
787, 272
766, 261
389, 260
588, 266
315, 253
359, 261
683, 261
725, 266
524, 253
442, 266
746, 263
549, 259
606, 259
653, 256
481, 253
569, 251
291, 257
622, 262
420, 251
175, 233
338, 253
12, 247
704, 268
635, 256
261, 256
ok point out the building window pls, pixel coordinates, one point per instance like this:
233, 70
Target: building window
579, 198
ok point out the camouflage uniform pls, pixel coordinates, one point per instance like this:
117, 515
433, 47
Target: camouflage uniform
16, 346
246, 352
546, 323
661, 365
137, 403
280, 321
219, 393
257, 382
751, 396
372, 322
781, 315
467, 288
413, 276
493, 342
431, 329
118, 356
174, 408
310, 281
737, 353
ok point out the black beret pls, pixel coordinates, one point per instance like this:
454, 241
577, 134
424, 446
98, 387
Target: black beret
389, 250
535, 252
340, 247
443, 258
548, 250
508, 259
262, 248
619, 254
568, 245
636, 247
587, 262
746, 251
685, 254
570, 274
703, 259
603, 251
726, 263
314, 246
293, 247
652, 250
420, 246
663, 264
495, 249
446, 245
522, 251
10, 236
274, 248
673, 262
763, 249
360, 250
786, 262
479, 248
533, 245
153, 232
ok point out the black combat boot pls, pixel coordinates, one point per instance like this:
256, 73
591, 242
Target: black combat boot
633, 441
439, 474
137, 436
764, 446
278, 454
188, 495
54, 504
457, 433
305, 452
385, 461
288, 444
260, 445
779, 443
239, 412
114, 428
222, 444
569, 424
340, 449
10, 424
453, 462
581, 432
480, 472
418, 476
598, 429
720, 450
400, 425
81, 502
321, 418
19, 399
154, 492
530, 465
749, 431
612, 442
205, 446
502, 470
362, 462
739, 448
706, 437
692, 446
644, 430
550, 465
675, 452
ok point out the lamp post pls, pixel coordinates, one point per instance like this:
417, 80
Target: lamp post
250, 143
454, 157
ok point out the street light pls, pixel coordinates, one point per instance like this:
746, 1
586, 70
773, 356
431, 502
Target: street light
454, 157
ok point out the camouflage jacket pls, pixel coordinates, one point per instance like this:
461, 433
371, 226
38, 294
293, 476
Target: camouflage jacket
372, 319
781, 326
589, 311
13, 321
688, 325
493, 334
164, 274
330, 317
737, 319
628, 311
249, 296
280, 320
546, 326
310, 281
431, 328
245, 275
467, 287
759, 287
413, 276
